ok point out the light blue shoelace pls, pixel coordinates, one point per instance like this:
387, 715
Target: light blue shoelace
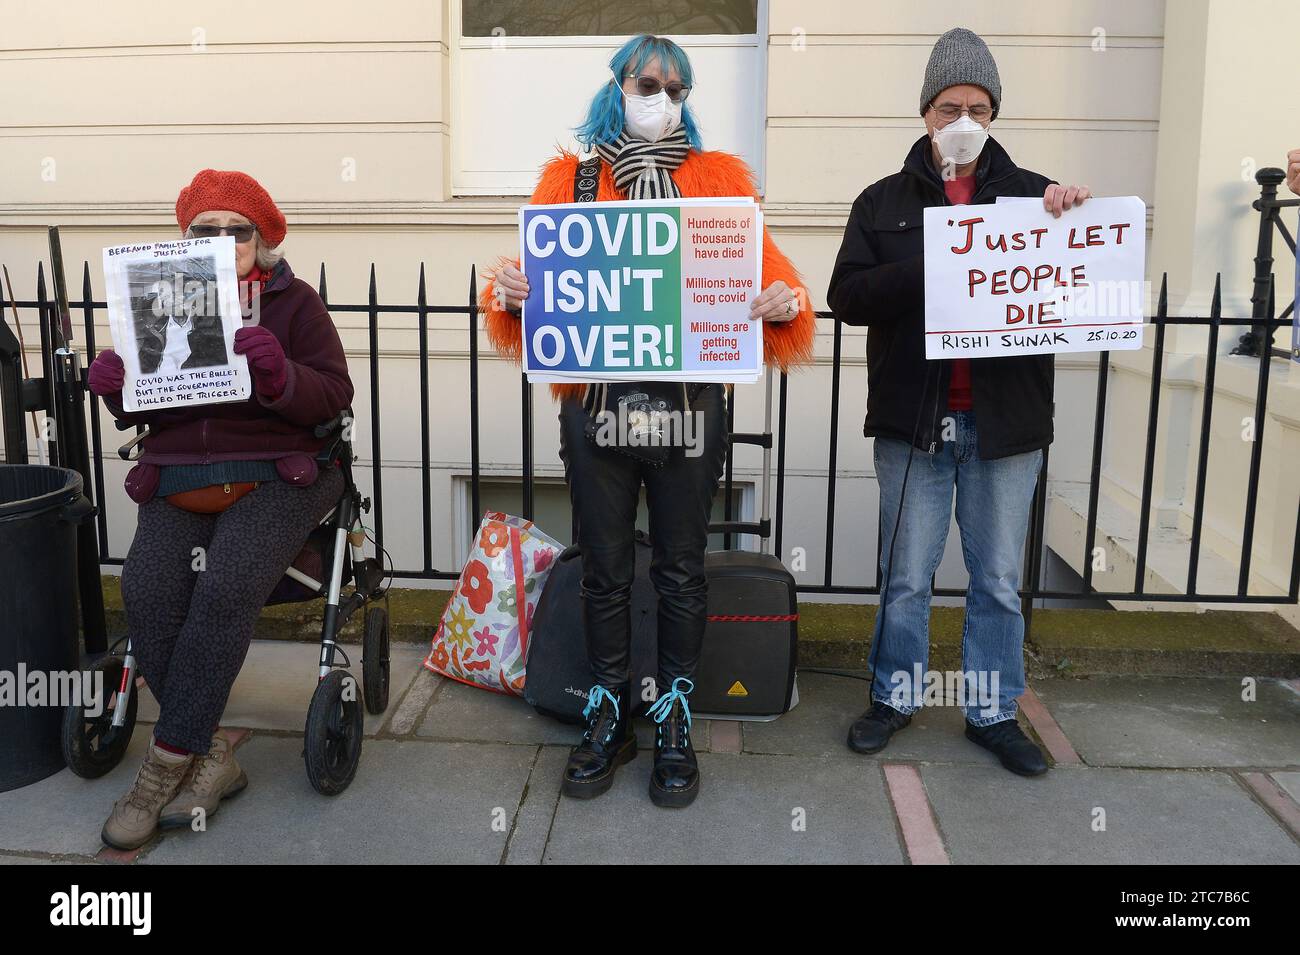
594, 697
664, 705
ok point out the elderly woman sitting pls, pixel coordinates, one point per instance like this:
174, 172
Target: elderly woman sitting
228, 494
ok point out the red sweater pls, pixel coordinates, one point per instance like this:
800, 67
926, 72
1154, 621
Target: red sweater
960, 191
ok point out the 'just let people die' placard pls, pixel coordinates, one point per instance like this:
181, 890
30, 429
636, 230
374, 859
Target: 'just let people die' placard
1010, 279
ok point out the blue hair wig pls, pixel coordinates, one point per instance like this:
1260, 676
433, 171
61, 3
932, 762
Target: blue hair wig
605, 114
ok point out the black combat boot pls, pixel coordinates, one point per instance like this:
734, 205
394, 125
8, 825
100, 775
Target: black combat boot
607, 744
675, 780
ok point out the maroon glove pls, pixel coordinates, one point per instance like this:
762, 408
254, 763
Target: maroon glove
265, 359
107, 374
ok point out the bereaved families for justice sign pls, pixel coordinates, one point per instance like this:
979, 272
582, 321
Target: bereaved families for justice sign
1010, 279
173, 310
652, 289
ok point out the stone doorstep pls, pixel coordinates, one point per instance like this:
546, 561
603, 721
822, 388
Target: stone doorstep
1067, 642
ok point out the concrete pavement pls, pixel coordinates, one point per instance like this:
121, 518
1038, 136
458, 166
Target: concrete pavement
1168, 770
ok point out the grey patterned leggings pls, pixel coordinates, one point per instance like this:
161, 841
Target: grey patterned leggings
191, 627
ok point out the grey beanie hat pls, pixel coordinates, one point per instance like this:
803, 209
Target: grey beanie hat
959, 56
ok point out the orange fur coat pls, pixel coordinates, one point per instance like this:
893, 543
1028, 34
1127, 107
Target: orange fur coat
701, 175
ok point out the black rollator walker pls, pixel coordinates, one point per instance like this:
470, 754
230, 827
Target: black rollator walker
94, 744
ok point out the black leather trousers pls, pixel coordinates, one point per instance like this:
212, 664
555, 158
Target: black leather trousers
604, 486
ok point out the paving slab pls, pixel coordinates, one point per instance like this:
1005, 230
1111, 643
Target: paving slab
1176, 721
828, 705
1290, 783
1151, 816
745, 814
274, 687
410, 709
63, 814
411, 802
461, 712
532, 827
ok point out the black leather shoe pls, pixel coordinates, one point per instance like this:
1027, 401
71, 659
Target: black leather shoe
1011, 746
607, 744
871, 731
675, 779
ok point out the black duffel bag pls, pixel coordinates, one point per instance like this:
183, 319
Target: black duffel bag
559, 675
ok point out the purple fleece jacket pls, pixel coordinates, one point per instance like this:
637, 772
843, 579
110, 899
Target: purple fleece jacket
317, 388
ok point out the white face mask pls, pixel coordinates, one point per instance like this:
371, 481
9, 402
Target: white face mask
961, 141
651, 117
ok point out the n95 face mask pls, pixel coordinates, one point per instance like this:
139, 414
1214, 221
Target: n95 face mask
961, 141
651, 117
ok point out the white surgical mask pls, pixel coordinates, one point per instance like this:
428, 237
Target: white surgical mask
962, 140
651, 117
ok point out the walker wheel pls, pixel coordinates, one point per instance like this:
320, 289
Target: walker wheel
92, 745
333, 735
375, 665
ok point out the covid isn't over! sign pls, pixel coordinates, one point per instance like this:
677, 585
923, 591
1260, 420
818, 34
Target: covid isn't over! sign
652, 289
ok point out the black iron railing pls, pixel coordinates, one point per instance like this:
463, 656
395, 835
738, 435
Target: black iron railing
19, 396
1269, 207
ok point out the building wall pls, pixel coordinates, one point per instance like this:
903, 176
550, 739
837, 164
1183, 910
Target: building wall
350, 116
1225, 67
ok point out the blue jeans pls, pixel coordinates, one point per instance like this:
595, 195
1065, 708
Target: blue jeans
993, 505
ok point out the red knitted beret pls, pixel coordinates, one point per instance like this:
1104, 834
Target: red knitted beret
214, 189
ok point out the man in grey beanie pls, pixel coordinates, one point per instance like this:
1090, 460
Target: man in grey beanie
879, 281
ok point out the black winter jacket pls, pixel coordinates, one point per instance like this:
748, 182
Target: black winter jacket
879, 282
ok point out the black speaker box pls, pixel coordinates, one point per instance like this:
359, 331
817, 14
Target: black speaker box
750, 652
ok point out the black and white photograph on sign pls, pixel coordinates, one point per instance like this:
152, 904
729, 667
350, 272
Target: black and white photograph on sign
173, 310
177, 318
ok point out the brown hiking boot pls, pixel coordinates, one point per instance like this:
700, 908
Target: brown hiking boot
134, 818
212, 778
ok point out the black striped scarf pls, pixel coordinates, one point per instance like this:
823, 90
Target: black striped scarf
643, 170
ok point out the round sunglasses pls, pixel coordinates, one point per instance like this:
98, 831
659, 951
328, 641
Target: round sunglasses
651, 85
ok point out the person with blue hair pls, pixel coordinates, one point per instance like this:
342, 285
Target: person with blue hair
647, 146
607, 113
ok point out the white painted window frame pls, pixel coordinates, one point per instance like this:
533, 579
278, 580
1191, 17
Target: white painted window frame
466, 182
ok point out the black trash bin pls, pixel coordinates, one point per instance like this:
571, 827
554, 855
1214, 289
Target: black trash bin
40, 508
